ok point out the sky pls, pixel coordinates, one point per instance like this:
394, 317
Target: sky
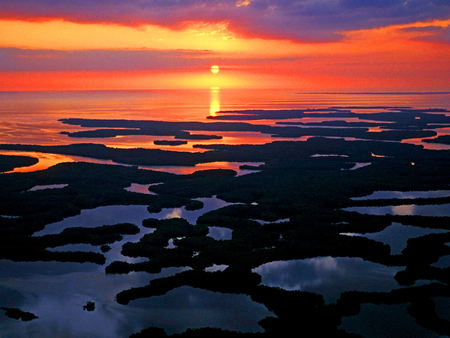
306, 45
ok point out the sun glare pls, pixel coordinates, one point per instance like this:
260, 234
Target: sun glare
214, 69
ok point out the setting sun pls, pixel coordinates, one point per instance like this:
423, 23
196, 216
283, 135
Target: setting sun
214, 69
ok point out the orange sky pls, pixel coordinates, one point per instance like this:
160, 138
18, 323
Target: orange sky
403, 57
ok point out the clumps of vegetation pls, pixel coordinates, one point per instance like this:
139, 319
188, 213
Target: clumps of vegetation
105, 248
90, 306
156, 332
169, 143
308, 191
443, 139
19, 314
8, 162
150, 245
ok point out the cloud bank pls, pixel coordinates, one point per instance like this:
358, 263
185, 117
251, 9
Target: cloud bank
298, 20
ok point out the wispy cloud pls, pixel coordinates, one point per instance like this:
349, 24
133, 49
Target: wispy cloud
300, 20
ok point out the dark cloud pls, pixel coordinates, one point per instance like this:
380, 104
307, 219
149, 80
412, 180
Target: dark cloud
306, 20
433, 33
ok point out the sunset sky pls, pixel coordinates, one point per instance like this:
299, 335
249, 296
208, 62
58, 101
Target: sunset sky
307, 45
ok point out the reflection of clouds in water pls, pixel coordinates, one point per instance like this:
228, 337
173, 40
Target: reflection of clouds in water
397, 235
10, 297
190, 307
56, 292
215, 267
324, 263
403, 209
442, 263
281, 220
210, 203
359, 165
219, 233
350, 234
58, 300
170, 245
412, 209
76, 247
140, 188
175, 213
108, 215
49, 186
328, 276
375, 320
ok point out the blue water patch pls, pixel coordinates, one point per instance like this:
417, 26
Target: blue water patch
406, 209
328, 276
384, 194
397, 235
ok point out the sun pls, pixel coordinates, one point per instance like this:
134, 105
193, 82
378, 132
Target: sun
214, 69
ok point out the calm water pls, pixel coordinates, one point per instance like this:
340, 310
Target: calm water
404, 194
387, 321
407, 209
56, 291
32, 117
329, 276
396, 235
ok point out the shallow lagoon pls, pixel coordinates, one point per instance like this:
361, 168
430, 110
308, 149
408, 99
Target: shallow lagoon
387, 321
328, 276
404, 194
407, 209
397, 235
56, 292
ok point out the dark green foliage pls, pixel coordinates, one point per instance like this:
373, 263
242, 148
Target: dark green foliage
151, 332
444, 139
90, 306
228, 281
105, 234
33, 248
105, 248
152, 245
306, 192
18, 314
8, 163
177, 129
194, 205
169, 143
35, 254
424, 311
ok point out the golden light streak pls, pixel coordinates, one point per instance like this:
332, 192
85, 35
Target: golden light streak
214, 106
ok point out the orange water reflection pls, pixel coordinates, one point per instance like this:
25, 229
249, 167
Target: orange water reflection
206, 166
32, 118
214, 106
47, 160
431, 146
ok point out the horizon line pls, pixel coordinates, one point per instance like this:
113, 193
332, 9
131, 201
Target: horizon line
373, 93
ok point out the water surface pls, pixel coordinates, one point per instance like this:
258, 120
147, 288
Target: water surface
329, 276
407, 209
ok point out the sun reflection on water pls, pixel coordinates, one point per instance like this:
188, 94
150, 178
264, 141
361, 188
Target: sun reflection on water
214, 106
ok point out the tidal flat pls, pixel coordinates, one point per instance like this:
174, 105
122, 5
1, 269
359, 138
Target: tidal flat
255, 239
